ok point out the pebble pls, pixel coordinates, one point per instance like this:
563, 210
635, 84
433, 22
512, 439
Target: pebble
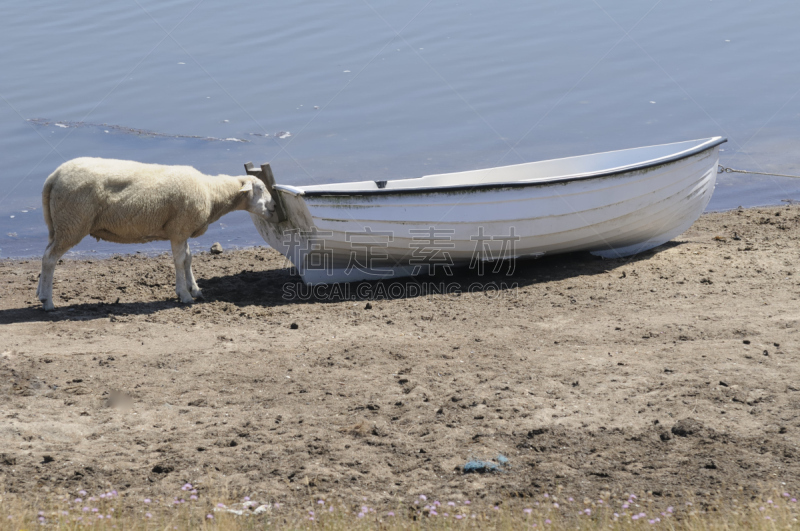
216, 248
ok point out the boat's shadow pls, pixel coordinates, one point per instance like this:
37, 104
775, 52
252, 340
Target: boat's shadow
280, 287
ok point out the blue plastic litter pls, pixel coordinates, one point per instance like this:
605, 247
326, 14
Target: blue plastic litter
480, 467
477, 466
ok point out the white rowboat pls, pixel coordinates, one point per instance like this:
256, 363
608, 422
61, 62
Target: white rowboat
611, 204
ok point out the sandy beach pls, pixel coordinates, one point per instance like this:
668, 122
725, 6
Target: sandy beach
674, 372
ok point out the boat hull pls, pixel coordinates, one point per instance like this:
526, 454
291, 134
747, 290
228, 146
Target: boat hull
352, 237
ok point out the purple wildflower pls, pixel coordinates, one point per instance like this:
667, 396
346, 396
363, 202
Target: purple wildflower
148, 515
210, 516
527, 511
390, 513
147, 500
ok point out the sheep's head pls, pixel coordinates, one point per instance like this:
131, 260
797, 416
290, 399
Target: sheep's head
258, 200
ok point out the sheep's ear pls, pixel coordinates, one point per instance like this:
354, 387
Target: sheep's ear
246, 187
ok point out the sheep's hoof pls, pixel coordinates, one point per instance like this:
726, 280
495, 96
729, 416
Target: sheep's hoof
198, 294
48, 306
186, 299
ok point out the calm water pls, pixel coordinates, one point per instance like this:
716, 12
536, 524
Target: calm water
385, 90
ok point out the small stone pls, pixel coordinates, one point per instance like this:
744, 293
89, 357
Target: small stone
216, 248
368, 306
294, 326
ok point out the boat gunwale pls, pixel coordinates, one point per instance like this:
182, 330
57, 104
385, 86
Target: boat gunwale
705, 146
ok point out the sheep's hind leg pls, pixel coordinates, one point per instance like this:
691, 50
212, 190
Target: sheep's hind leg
191, 283
52, 254
179, 256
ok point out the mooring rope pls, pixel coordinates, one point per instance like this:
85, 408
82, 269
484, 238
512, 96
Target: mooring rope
723, 169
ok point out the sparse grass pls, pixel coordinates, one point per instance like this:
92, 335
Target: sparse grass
190, 509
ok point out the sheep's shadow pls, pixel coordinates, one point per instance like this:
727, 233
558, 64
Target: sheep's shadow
280, 287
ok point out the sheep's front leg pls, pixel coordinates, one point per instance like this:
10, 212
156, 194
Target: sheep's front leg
191, 283
179, 249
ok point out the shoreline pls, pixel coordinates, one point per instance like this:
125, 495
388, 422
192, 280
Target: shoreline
259, 243
671, 372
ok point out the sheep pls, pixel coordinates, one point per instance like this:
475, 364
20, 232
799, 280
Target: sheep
129, 202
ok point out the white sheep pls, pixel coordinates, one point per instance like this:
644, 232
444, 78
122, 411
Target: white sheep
129, 202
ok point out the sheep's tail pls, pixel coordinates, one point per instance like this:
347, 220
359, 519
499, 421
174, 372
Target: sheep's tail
48, 186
